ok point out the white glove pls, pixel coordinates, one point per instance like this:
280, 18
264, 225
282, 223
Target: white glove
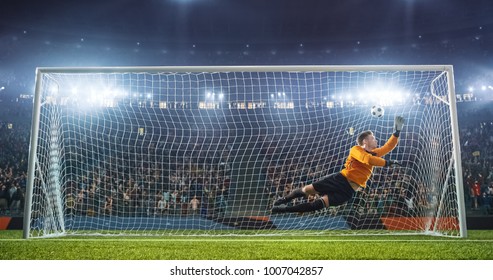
398, 123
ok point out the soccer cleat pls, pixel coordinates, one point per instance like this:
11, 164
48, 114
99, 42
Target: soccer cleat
280, 201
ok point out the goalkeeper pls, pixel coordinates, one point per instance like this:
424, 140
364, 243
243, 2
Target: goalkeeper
338, 188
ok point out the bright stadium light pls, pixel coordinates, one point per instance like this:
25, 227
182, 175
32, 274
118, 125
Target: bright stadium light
54, 90
96, 96
384, 94
107, 92
75, 91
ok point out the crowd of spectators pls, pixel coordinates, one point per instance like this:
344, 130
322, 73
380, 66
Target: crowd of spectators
477, 161
193, 177
153, 180
14, 147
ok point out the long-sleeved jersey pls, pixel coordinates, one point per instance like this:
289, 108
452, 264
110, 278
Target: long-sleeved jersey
359, 164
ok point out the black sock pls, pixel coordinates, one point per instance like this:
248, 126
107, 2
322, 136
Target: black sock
306, 207
295, 194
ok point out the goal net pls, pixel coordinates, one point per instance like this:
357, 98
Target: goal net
206, 150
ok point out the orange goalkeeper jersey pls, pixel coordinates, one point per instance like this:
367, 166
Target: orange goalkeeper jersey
359, 164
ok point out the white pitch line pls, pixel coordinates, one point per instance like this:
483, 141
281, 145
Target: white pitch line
237, 240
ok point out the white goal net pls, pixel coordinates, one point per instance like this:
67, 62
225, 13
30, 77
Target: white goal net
206, 150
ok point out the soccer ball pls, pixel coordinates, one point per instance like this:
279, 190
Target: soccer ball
376, 111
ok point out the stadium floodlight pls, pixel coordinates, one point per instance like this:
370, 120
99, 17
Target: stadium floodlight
133, 166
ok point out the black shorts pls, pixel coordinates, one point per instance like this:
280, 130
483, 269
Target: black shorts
336, 187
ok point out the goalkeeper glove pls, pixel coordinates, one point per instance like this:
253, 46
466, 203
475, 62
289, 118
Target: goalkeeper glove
392, 163
398, 124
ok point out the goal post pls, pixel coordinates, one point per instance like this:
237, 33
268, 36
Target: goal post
189, 150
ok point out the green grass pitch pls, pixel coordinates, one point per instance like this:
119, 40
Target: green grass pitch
478, 245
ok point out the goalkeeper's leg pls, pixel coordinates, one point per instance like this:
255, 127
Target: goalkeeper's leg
294, 194
303, 207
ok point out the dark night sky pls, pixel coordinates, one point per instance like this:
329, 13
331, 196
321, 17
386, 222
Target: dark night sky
226, 32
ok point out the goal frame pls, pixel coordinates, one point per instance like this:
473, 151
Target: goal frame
448, 69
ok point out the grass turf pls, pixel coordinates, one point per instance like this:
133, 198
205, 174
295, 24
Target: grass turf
479, 245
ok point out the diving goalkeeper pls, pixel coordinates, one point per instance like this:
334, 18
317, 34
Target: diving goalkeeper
338, 188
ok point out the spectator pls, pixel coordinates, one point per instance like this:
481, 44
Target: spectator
15, 200
486, 203
475, 194
108, 206
194, 205
162, 207
4, 199
70, 203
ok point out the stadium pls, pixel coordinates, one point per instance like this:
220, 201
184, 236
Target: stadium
181, 161
186, 162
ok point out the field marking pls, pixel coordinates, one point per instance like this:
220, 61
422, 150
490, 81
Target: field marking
234, 240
